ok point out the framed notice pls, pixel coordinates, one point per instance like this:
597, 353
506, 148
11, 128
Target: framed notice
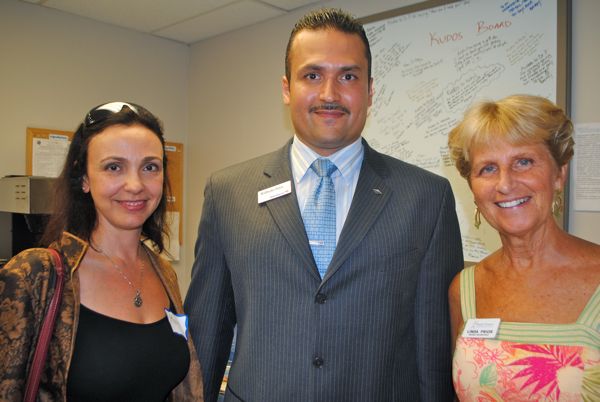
174, 154
46, 151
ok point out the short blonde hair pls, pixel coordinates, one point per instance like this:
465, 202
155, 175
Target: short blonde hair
518, 119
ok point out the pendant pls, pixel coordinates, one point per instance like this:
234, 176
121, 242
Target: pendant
137, 300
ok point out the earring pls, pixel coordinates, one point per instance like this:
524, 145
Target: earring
477, 218
557, 204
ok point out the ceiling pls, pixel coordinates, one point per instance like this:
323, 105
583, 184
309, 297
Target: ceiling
185, 21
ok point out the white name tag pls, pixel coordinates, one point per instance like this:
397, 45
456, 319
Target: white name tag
179, 323
481, 328
274, 192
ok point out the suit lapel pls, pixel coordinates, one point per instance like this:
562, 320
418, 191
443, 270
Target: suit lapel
370, 197
285, 210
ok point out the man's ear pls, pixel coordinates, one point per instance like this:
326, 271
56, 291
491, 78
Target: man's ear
285, 90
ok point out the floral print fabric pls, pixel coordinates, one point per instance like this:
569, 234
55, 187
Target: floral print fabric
493, 370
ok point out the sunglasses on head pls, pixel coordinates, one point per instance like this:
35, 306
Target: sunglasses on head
102, 112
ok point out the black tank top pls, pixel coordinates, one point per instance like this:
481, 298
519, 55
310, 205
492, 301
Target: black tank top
116, 360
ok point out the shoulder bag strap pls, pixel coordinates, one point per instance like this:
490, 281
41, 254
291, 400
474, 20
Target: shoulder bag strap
41, 350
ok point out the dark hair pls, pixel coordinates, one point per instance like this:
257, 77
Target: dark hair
328, 18
74, 210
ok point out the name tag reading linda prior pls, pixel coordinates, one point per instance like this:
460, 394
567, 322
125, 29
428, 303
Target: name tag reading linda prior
274, 192
481, 328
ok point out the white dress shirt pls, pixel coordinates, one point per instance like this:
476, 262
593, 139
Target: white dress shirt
348, 161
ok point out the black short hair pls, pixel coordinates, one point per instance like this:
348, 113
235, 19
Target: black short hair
328, 18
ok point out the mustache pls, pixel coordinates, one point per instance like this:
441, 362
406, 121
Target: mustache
329, 106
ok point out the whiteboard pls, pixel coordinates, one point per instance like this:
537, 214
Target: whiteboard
432, 61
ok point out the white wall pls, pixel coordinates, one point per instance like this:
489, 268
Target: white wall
54, 67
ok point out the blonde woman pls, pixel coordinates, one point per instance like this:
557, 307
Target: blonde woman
541, 286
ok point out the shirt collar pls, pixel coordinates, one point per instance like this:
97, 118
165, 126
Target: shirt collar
303, 156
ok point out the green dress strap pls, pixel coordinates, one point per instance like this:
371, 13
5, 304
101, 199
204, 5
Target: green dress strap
467, 293
590, 316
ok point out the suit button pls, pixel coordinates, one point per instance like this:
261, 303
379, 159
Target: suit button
318, 362
321, 298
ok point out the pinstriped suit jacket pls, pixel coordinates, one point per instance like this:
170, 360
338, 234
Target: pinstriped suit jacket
376, 328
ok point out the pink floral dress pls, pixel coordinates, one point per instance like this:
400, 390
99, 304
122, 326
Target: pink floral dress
528, 361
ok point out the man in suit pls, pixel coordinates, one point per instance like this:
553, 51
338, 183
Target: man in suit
373, 326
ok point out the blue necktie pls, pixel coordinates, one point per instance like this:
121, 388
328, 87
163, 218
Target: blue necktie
319, 215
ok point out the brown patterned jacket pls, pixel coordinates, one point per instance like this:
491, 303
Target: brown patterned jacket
24, 294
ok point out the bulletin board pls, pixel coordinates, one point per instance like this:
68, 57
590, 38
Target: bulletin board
46, 151
432, 60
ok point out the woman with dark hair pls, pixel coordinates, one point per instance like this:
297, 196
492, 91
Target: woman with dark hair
116, 337
526, 319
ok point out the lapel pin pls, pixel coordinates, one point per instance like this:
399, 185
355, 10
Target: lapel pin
377, 191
